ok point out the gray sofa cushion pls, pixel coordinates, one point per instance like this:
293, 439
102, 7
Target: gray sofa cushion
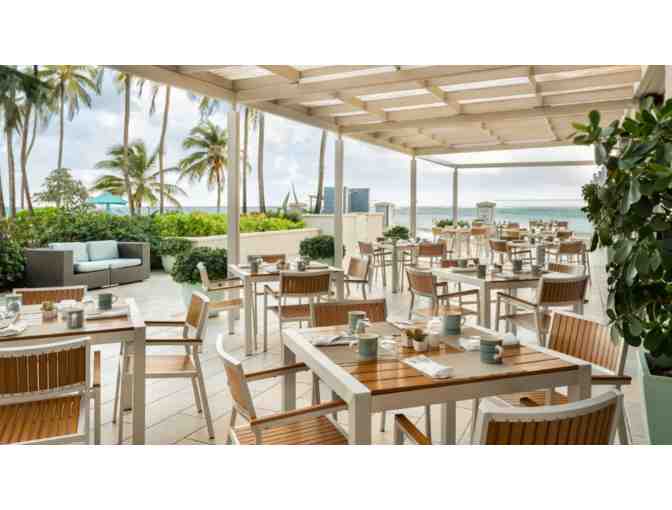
121, 263
79, 251
91, 266
102, 250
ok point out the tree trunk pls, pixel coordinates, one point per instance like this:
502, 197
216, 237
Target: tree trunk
2, 199
127, 119
260, 165
219, 193
245, 140
162, 151
61, 124
320, 174
25, 151
11, 171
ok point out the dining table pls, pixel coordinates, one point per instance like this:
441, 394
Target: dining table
270, 273
397, 247
388, 383
123, 324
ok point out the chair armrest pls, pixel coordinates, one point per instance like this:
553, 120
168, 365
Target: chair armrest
286, 418
164, 323
516, 301
133, 250
49, 268
458, 294
403, 426
616, 380
96, 369
276, 372
173, 341
268, 290
228, 284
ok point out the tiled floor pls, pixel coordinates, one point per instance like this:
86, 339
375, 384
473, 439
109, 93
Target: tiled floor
171, 414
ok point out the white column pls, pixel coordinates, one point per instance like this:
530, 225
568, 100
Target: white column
455, 209
668, 82
338, 203
233, 187
413, 209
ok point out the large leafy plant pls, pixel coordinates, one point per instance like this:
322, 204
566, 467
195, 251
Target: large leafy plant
631, 210
185, 269
318, 247
12, 262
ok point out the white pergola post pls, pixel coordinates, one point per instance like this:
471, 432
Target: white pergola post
233, 187
413, 210
455, 208
668, 82
338, 203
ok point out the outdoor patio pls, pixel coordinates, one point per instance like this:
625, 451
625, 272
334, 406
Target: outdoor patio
172, 417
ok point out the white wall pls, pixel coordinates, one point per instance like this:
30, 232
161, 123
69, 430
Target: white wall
356, 227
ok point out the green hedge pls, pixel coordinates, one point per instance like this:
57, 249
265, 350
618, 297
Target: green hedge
198, 224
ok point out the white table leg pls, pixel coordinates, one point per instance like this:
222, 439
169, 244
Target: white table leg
448, 423
338, 282
288, 384
484, 298
139, 369
582, 389
395, 268
359, 419
249, 296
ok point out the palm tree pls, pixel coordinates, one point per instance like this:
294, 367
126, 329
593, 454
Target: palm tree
208, 143
144, 176
251, 118
320, 173
206, 105
72, 85
260, 164
123, 83
164, 127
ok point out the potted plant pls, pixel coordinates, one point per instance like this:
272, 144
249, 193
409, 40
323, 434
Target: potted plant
319, 248
170, 248
397, 232
185, 271
49, 312
630, 207
419, 339
444, 223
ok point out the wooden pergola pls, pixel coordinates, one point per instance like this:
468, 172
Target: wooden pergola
414, 110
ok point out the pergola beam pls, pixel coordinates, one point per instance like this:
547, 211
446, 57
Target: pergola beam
287, 72
509, 164
496, 147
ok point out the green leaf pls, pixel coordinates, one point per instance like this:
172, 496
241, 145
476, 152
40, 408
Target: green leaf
655, 260
653, 340
643, 263
631, 274
594, 117
622, 250
660, 223
634, 194
594, 242
600, 154
581, 127
635, 326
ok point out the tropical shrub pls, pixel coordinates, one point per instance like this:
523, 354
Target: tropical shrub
12, 262
444, 223
631, 210
199, 224
185, 270
318, 247
397, 232
174, 246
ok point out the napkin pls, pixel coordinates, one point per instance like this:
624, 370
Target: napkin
323, 341
401, 324
115, 312
14, 329
429, 367
474, 344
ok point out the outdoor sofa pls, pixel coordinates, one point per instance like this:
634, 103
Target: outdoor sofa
94, 264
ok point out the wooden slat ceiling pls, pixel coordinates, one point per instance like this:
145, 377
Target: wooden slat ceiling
421, 110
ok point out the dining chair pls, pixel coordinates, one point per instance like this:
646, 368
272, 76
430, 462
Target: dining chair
424, 284
426, 255
477, 240
571, 252
38, 295
562, 224
586, 422
586, 339
46, 393
505, 250
574, 269
380, 261
170, 366
310, 425
231, 287
564, 235
536, 316
357, 274
295, 285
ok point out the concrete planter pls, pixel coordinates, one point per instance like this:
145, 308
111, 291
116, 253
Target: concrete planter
657, 392
168, 261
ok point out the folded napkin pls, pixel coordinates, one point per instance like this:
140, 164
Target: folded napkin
115, 312
470, 343
323, 341
14, 329
429, 367
401, 324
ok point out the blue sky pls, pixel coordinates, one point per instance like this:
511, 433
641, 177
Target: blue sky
291, 156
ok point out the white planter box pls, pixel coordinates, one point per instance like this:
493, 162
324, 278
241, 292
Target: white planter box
356, 227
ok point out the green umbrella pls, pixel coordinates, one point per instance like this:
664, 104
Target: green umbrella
107, 199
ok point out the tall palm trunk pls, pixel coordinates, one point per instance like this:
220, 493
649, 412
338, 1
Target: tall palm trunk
162, 151
61, 114
11, 171
25, 151
246, 133
260, 165
2, 199
320, 173
219, 193
127, 119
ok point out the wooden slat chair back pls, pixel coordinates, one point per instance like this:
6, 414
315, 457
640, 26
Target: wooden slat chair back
336, 313
562, 291
563, 224
45, 393
432, 250
39, 295
197, 315
587, 422
587, 339
514, 226
240, 391
231, 301
273, 258
571, 248
421, 283
564, 234
358, 268
574, 269
308, 284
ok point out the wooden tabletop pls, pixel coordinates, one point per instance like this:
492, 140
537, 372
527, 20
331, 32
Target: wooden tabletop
269, 270
388, 374
38, 329
490, 277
